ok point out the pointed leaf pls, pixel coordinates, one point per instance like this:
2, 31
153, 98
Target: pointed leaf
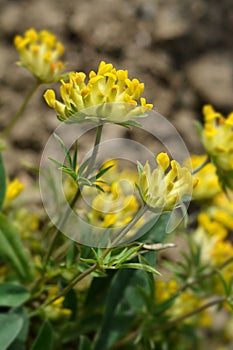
83, 166
115, 295
85, 343
66, 152
75, 156
139, 266
44, 339
12, 249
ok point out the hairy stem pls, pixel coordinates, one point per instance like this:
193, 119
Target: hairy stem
21, 110
76, 196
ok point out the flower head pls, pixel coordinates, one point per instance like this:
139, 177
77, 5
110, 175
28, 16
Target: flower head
217, 138
14, 188
208, 185
40, 52
108, 95
164, 189
118, 205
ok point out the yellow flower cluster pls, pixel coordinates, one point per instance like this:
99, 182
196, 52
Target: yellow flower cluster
40, 52
26, 222
109, 88
118, 205
165, 290
208, 185
184, 303
217, 138
212, 235
56, 310
222, 210
165, 189
14, 188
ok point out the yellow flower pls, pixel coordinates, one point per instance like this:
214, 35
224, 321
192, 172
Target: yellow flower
14, 188
222, 209
208, 185
217, 138
56, 310
109, 95
165, 290
26, 222
40, 52
221, 252
109, 210
164, 189
211, 226
207, 236
117, 206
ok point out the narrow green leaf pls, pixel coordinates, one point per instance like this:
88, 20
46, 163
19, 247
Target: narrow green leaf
44, 339
10, 326
84, 181
103, 171
2, 182
85, 343
130, 123
98, 187
139, 266
224, 283
88, 261
115, 295
83, 166
128, 254
12, 294
66, 152
140, 168
199, 128
12, 249
70, 172
56, 162
75, 156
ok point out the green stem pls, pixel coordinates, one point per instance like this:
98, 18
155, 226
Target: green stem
179, 319
95, 150
127, 228
61, 226
92, 268
206, 275
130, 337
21, 110
76, 196
201, 166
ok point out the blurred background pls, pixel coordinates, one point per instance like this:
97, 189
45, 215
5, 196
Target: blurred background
181, 49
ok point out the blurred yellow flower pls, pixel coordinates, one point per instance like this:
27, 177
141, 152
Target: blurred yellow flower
113, 208
55, 310
211, 226
165, 290
208, 235
40, 52
164, 189
109, 95
208, 185
14, 188
217, 138
184, 303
